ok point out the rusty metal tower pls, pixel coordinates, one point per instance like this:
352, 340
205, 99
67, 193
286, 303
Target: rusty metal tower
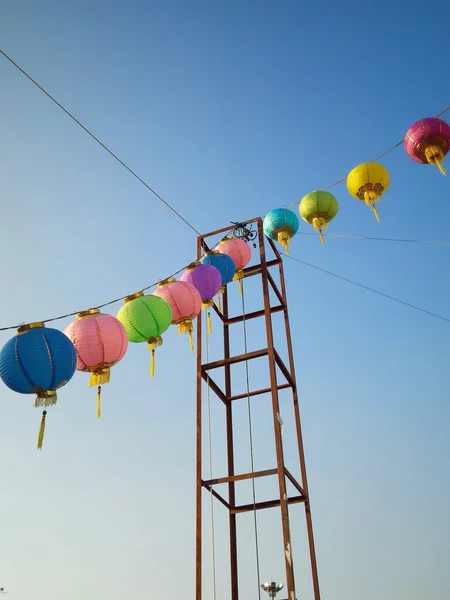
281, 377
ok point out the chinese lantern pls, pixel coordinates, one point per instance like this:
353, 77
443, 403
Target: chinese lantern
367, 182
207, 280
185, 302
428, 142
101, 342
145, 319
239, 251
281, 225
224, 264
38, 361
318, 208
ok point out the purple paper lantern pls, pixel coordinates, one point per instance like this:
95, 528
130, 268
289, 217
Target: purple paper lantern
207, 280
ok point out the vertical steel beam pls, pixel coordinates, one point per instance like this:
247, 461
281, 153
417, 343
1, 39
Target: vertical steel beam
276, 422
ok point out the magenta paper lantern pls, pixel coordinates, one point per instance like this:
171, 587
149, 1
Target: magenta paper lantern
207, 280
185, 302
428, 142
101, 342
239, 251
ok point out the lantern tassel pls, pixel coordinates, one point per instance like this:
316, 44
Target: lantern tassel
99, 396
100, 377
371, 198
219, 304
152, 363
237, 277
41, 430
209, 323
187, 327
435, 156
284, 238
319, 225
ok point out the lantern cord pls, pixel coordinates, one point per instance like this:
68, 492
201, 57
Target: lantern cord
99, 142
377, 239
365, 287
250, 429
373, 160
211, 498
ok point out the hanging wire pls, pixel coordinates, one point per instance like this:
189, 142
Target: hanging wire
373, 160
369, 289
376, 239
59, 105
211, 498
247, 378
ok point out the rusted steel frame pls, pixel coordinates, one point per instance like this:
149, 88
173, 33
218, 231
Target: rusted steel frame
198, 468
289, 565
256, 269
295, 483
234, 582
301, 452
252, 315
215, 388
235, 359
275, 288
284, 369
258, 392
267, 504
241, 477
215, 494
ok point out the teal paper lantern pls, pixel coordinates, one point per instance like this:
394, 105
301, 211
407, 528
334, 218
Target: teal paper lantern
281, 225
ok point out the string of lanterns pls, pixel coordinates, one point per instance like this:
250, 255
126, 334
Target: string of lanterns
40, 360
426, 142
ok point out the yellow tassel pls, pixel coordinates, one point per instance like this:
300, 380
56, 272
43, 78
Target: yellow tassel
319, 224
284, 238
434, 155
152, 364
375, 212
187, 327
99, 395
41, 431
371, 198
219, 304
240, 285
100, 377
209, 323
237, 277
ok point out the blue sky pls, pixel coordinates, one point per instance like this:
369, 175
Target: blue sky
228, 110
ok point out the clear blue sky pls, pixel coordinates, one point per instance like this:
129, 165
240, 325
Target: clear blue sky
228, 109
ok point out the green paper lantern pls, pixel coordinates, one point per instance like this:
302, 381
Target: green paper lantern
318, 208
145, 319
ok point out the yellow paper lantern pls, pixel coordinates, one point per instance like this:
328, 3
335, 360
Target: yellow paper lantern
368, 182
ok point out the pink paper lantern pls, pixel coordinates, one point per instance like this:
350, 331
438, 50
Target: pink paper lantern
239, 252
428, 141
185, 302
101, 342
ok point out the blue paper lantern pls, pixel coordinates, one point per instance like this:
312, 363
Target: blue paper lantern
281, 225
224, 264
38, 361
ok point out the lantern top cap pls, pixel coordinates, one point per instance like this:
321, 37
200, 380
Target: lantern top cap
91, 312
133, 297
166, 281
28, 326
192, 266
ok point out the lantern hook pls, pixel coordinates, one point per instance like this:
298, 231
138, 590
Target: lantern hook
243, 232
